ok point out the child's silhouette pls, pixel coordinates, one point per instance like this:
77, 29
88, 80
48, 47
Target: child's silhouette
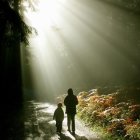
59, 117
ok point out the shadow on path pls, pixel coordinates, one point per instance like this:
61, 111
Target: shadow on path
64, 137
77, 137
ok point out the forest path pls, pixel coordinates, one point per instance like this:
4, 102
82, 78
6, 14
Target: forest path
43, 126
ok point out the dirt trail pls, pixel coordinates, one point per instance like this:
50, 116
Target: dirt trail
41, 126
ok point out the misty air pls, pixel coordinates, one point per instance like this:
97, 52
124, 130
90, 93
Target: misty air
70, 69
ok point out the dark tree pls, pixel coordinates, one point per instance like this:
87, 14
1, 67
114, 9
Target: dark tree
13, 32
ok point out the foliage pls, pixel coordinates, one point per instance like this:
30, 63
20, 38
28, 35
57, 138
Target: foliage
119, 118
13, 29
13, 32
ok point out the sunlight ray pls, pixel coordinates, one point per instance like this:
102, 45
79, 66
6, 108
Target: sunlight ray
78, 42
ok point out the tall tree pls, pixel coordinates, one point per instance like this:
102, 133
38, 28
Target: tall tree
13, 32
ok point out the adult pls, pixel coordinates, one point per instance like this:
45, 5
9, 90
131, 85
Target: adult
70, 102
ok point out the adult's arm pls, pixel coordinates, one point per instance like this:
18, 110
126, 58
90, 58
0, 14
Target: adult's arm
76, 100
65, 101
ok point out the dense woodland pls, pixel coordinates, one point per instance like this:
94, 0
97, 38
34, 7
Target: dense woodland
14, 34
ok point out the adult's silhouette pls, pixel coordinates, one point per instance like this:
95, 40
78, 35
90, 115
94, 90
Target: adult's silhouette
70, 102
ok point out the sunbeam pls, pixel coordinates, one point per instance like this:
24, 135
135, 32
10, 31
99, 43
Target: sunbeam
81, 44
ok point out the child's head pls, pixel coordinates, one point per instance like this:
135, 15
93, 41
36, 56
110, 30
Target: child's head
59, 105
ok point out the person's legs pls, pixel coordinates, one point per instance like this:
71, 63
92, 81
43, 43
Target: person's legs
73, 122
59, 126
68, 121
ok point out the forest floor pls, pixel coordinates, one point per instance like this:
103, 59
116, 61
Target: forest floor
39, 125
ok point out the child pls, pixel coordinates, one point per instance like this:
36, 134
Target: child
59, 117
